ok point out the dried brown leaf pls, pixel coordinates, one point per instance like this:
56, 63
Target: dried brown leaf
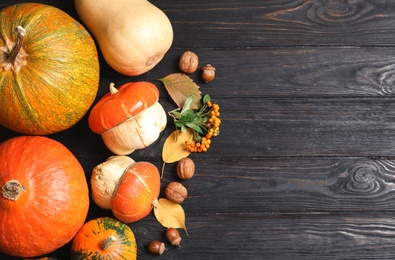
169, 214
180, 86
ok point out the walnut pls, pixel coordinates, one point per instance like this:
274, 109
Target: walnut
176, 192
185, 168
189, 62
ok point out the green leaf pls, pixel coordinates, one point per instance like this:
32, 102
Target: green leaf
187, 105
206, 98
194, 127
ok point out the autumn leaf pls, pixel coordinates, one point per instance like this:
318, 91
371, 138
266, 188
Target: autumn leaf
169, 214
180, 86
174, 146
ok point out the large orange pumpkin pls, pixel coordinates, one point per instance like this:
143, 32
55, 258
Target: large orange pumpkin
49, 69
44, 199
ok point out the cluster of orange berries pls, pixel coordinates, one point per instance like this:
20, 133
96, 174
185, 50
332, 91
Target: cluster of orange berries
213, 123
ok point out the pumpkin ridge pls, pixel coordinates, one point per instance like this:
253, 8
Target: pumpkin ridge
29, 114
135, 173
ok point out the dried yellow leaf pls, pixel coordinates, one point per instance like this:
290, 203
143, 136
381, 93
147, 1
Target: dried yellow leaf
169, 214
174, 146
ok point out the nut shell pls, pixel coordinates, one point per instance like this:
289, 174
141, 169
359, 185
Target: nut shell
173, 236
185, 168
208, 73
176, 192
156, 247
189, 62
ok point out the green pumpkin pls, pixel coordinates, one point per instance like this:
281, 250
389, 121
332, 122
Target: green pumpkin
104, 238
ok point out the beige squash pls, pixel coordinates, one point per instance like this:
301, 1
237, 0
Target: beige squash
133, 35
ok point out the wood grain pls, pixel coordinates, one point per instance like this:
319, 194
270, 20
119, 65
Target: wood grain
304, 166
234, 24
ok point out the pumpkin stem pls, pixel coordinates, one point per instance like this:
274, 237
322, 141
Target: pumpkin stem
18, 45
12, 189
16, 57
113, 89
106, 243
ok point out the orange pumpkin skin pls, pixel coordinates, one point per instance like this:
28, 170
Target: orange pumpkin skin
55, 79
138, 189
54, 199
115, 108
104, 238
43, 258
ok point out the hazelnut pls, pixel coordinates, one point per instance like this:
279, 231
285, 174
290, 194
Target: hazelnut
185, 168
189, 62
173, 236
176, 192
208, 73
156, 247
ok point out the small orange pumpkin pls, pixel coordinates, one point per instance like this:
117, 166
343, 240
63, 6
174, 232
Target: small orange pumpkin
129, 118
104, 238
45, 196
126, 187
49, 69
139, 188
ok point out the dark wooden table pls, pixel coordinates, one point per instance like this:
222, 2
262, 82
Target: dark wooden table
304, 165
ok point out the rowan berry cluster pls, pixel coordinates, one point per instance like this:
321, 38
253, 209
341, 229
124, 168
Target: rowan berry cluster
212, 124
204, 122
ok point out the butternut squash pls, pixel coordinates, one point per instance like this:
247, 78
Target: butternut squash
133, 35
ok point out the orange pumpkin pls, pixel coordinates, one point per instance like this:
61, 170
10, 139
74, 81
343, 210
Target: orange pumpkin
49, 69
126, 187
129, 118
104, 238
139, 188
44, 199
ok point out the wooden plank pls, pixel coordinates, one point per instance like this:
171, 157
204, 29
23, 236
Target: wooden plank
292, 72
281, 72
290, 185
235, 24
277, 236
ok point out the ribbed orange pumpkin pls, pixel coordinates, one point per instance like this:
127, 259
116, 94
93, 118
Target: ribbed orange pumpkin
49, 69
44, 199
